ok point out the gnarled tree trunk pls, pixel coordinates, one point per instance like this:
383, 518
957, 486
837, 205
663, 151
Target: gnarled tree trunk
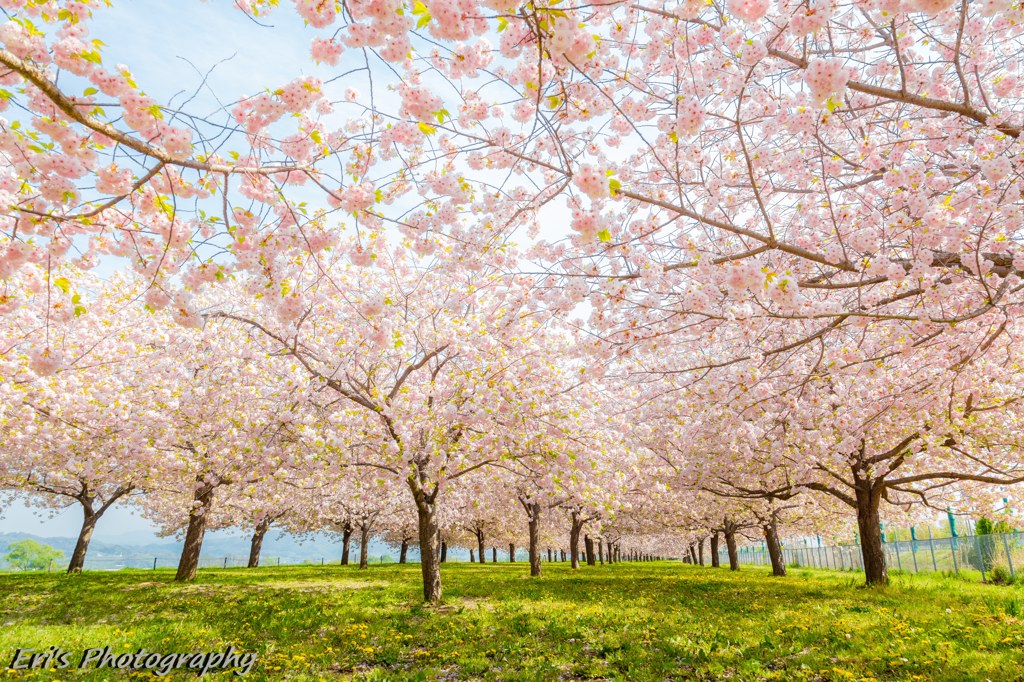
346, 542
588, 546
715, 559
480, 544
89, 520
364, 544
403, 553
574, 540
426, 517
533, 518
771, 538
256, 544
90, 516
869, 496
729, 528
189, 561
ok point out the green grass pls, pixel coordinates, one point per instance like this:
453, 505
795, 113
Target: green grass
630, 621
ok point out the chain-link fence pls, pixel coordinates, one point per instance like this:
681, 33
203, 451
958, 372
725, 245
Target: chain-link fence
998, 557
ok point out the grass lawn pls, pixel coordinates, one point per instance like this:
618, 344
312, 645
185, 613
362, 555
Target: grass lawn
651, 621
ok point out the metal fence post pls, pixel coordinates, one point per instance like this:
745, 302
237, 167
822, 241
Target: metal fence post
952, 553
1009, 557
154, 563
899, 562
931, 546
981, 556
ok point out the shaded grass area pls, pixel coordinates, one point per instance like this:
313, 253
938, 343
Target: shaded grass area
652, 621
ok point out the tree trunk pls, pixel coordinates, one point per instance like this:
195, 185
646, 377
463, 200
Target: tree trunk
693, 554
600, 550
549, 555
730, 544
444, 551
562, 551
771, 538
511, 553
715, 560
700, 551
256, 544
534, 524
868, 522
346, 542
89, 519
472, 555
403, 553
494, 555
364, 545
426, 516
588, 546
480, 544
189, 562
574, 541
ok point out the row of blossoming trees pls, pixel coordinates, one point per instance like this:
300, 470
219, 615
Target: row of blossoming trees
792, 230
430, 408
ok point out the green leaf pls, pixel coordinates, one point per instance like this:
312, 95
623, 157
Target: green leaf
420, 10
604, 235
90, 91
502, 24
79, 311
614, 186
63, 284
426, 128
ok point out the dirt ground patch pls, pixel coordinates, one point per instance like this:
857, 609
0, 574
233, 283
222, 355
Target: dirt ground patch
318, 585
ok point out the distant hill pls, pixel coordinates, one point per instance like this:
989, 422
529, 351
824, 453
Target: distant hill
138, 550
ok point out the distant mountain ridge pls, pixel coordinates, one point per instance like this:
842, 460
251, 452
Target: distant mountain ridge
217, 546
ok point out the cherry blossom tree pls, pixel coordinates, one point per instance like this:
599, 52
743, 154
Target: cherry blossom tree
69, 435
220, 419
436, 379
